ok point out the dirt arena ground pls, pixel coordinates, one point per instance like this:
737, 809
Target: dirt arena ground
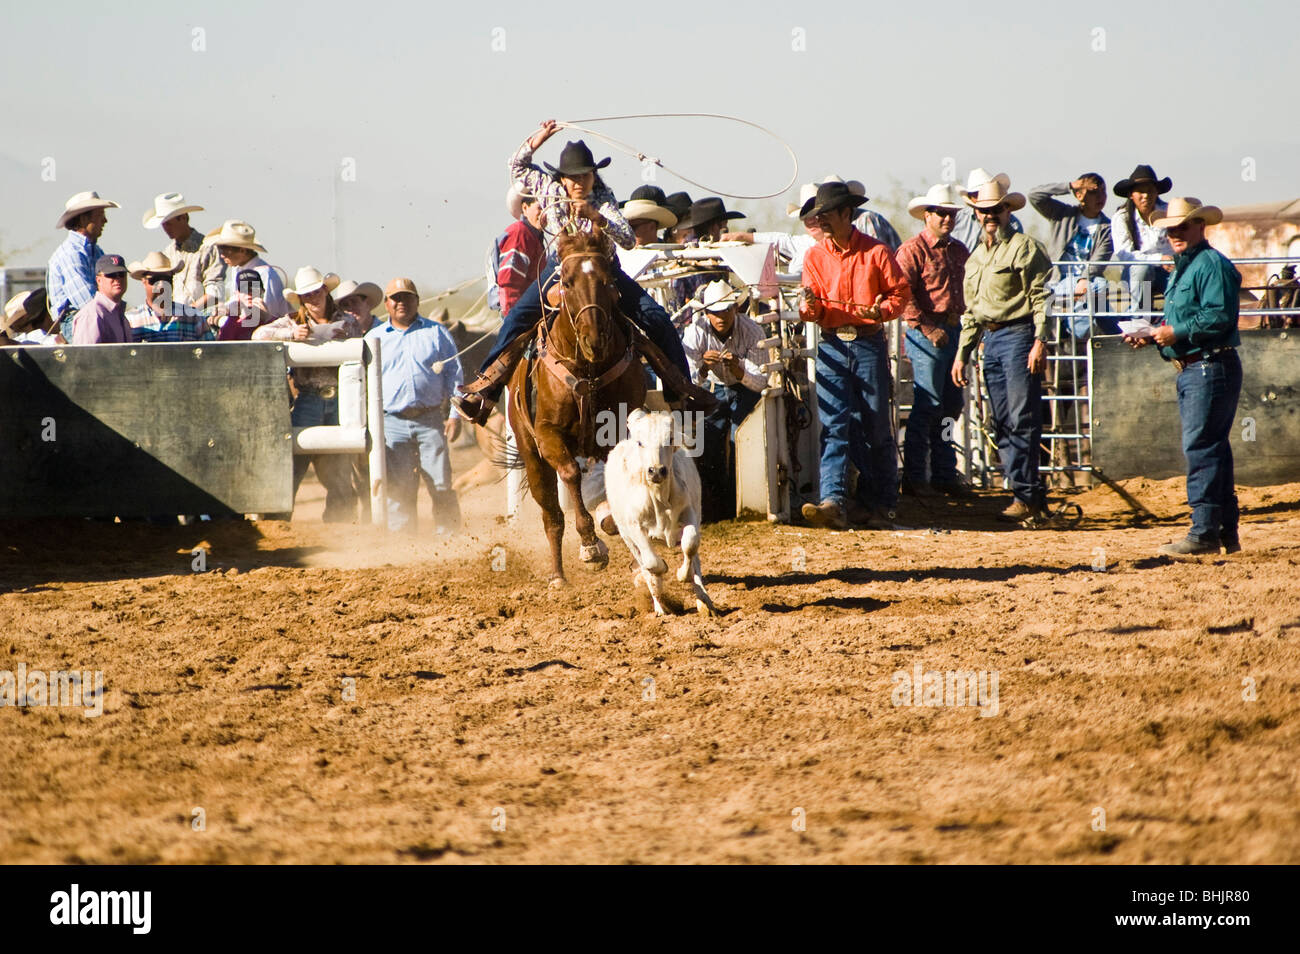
495, 720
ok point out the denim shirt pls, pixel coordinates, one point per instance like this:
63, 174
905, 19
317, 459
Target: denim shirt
1201, 302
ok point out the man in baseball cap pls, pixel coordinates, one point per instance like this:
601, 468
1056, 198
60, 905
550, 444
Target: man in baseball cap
421, 372
70, 275
102, 320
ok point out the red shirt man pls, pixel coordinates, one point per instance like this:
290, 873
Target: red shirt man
522, 255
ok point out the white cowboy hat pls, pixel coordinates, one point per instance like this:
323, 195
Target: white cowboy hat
1184, 208
856, 187
978, 176
308, 280
942, 196
721, 294
645, 209
372, 292
994, 192
806, 191
168, 206
155, 263
234, 233
515, 200
82, 202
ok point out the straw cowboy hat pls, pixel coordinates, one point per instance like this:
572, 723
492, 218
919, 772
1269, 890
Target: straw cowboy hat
645, 209
308, 280
235, 234
168, 206
856, 187
994, 192
1142, 173
978, 176
22, 307
575, 160
82, 202
721, 294
1187, 209
155, 263
372, 293
829, 197
942, 196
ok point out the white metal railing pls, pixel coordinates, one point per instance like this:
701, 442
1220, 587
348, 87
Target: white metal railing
360, 429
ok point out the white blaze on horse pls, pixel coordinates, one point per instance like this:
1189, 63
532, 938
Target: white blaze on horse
653, 490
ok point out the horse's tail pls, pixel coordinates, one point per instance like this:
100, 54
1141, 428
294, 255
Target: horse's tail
503, 453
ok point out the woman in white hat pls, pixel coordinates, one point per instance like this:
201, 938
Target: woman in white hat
318, 318
236, 243
70, 275
360, 301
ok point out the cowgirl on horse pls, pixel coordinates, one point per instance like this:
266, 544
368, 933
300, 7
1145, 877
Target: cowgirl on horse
575, 199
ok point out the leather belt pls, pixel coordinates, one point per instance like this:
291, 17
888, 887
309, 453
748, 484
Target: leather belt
854, 332
414, 413
999, 325
1185, 362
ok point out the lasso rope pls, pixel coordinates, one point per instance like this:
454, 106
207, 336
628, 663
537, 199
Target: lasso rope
643, 157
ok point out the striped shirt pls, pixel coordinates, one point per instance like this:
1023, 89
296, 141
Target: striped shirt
148, 326
551, 194
70, 279
700, 337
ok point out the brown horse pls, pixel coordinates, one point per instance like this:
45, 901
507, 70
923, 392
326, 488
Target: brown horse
586, 370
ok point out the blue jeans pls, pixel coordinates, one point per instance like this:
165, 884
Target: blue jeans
936, 405
416, 450
853, 403
1207, 403
1017, 399
715, 463
634, 302
334, 471
1074, 319
1138, 277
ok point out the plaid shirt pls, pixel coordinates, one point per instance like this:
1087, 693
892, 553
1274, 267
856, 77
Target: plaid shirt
203, 273
553, 197
148, 326
70, 279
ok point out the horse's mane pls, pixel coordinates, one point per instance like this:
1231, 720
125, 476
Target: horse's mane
577, 243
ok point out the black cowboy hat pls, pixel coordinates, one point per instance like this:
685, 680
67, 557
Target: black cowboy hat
649, 193
707, 211
575, 160
831, 196
1142, 173
679, 203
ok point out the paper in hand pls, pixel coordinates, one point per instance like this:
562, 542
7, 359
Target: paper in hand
1137, 328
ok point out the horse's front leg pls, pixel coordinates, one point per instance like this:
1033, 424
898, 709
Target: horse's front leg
592, 550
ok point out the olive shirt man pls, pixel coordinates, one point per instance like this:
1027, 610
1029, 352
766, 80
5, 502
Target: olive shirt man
1006, 305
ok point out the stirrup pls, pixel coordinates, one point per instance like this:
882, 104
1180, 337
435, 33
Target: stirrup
473, 407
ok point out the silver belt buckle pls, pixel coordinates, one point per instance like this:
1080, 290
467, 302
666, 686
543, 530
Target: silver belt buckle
329, 391
847, 332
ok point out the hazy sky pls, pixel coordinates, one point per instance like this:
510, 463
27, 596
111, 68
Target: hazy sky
284, 98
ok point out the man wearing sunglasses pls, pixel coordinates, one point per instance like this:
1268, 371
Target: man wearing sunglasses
1006, 305
935, 265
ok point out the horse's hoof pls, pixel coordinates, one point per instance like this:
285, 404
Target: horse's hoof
703, 608
597, 553
558, 583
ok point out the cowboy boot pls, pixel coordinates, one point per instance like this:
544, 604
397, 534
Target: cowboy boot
477, 399
696, 398
446, 512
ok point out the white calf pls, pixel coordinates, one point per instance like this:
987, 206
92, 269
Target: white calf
654, 493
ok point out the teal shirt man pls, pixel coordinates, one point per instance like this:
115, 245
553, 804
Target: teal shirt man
1201, 302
